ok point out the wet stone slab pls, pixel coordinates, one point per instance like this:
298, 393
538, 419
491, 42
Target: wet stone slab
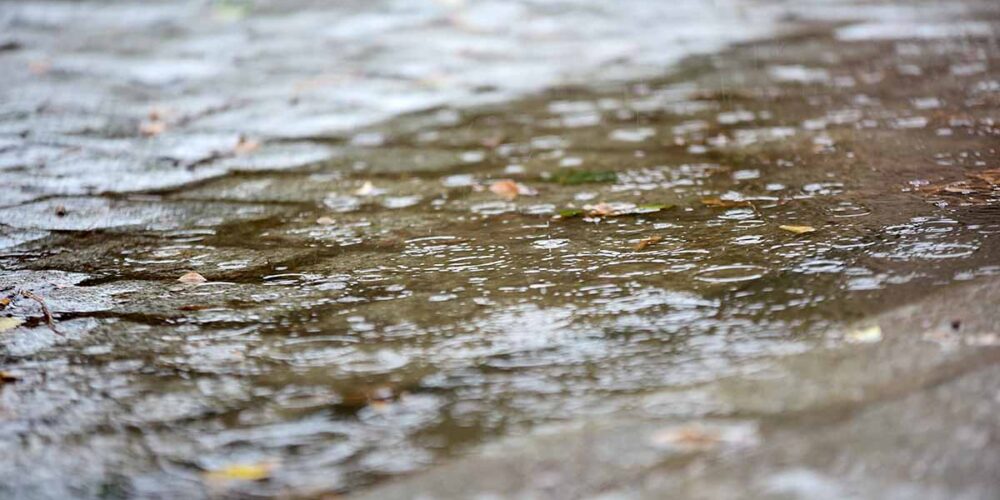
87, 214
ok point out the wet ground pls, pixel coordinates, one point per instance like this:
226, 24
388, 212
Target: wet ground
383, 295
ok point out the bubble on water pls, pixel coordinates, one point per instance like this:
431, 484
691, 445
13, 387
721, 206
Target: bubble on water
493, 208
819, 266
734, 273
632, 134
395, 202
442, 297
342, 203
550, 244
931, 250
846, 209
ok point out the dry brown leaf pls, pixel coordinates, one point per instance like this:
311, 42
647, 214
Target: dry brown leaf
509, 190
798, 229
720, 203
192, 278
645, 242
991, 177
4, 302
7, 377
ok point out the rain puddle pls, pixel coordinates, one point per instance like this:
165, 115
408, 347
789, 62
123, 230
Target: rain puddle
388, 302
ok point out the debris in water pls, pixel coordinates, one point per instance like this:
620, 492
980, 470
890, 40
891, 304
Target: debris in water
8, 377
192, 278
10, 323
797, 229
568, 213
604, 209
241, 472
45, 310
866, 335
368, 189
575, 177
699, 437
509, 190
720, 203
645, 242
245, 146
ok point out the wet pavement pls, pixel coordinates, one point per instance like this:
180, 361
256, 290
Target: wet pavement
404, 262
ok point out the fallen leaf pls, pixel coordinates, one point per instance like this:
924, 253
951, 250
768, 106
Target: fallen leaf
39, 67
326, 221
4, 302
720, 203
152, 128
866, 335
7, 377
509, 190
368, 189
245, 146
601, 209
697, 436
567, 213
991, 177
798, 229
575, 177
645, 242
652, 207
617, 209
688, 436
192, 278
241, 472
493, 141
9, 323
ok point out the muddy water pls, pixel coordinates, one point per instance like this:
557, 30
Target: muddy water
380, 308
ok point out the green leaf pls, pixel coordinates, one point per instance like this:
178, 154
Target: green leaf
652, 207
574, 177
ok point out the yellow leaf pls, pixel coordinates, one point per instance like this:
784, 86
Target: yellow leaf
241, 472
9, 323
866, 335
798, 229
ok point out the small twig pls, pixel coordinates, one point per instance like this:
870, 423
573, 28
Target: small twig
45, 310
